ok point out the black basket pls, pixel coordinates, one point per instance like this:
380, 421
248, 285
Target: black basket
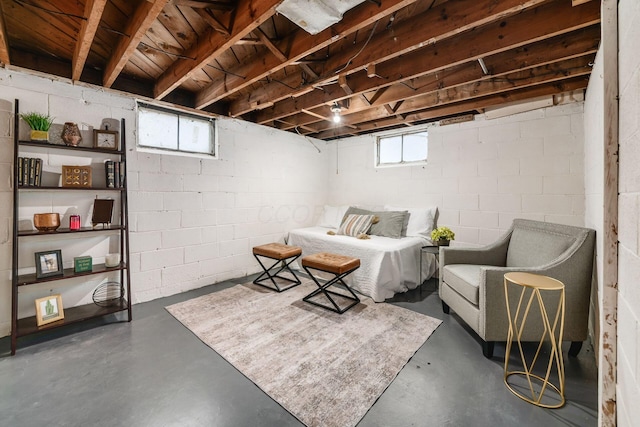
108, 294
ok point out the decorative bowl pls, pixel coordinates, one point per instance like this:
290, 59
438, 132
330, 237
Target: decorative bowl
46, 221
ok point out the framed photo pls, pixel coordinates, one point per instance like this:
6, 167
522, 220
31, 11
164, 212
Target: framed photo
105, 139
49, 263
102, 211
49, 309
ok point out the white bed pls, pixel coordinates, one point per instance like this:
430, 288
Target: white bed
387, 266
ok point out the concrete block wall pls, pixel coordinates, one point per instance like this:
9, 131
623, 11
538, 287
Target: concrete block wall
628, 361
193, 220
480, 174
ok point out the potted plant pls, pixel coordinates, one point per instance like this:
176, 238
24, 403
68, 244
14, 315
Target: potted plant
39, 124
441, 236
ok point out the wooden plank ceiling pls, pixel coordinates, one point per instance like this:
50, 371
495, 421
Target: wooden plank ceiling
386, 64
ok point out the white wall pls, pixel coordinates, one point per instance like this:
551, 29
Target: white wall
193, 221
628, 389
481, 174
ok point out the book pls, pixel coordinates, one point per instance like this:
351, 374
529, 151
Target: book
25, 171
19, 166
32, 171
38, 178
116, 174
109, 171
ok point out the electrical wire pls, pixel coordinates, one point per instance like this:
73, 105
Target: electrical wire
307, 138
373, 30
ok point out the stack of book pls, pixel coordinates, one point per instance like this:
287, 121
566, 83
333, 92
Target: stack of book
29, 172
114, 174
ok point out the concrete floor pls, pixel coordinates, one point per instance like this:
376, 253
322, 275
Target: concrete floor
154, 372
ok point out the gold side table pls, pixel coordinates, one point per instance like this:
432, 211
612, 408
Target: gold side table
531, 288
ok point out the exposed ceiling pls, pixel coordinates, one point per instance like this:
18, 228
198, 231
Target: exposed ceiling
387, 63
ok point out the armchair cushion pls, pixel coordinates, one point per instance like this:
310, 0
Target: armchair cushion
464, 278
531, 247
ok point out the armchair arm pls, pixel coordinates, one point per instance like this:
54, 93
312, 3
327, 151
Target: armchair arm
493, 254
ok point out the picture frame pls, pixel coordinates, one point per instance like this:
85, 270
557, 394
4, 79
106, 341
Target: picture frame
105, 139
49, 263
49, 309
102, 212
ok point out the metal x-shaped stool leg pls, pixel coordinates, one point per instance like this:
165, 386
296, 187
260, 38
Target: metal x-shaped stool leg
267, 272
324, 289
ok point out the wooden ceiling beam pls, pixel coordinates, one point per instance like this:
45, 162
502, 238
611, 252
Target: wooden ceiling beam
301, 45
462, 107
4, 41
573, 68
138, 24
459, 85
308, 70
560, 48
433, 25
93, 13
204, 4
519, 30
249, 15
269, 45
213, 22
249, 41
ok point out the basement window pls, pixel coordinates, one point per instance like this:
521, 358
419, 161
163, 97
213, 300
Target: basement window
402, 149
175, 131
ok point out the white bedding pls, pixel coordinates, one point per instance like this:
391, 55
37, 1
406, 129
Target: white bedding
387, 266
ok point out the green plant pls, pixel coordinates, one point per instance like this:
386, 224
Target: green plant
442, 233
37, 121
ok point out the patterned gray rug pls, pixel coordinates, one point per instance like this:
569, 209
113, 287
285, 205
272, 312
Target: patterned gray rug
324, 368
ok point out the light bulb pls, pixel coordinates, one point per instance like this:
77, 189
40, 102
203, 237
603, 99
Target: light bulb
336, 117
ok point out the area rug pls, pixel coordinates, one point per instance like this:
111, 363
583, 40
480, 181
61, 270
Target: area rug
324, 368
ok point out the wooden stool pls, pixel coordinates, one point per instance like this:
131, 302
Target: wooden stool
338, 265
282, 254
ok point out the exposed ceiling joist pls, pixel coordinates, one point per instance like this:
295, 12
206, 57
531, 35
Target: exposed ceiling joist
4, 41
582, 44
395, 63
205, 4
213, 22
136, 28
461, 107
525, 28
249, 15
270, 45
429, 27
93, 13
302, 45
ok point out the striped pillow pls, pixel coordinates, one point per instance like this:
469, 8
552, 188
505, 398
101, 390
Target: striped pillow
354, 225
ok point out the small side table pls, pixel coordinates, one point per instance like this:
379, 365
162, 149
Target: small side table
531, 288
435, 250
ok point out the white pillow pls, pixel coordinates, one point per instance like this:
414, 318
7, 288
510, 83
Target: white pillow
332, 216
421, 220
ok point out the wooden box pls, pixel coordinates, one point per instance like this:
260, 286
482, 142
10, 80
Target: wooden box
76, 176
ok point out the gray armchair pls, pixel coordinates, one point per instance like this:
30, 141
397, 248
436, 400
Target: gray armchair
472, 279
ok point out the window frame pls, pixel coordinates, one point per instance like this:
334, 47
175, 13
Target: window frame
377, 162
178, 113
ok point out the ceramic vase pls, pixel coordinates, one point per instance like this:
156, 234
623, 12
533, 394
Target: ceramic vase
71, 134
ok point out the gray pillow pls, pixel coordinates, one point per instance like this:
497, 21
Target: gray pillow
355, 211
389, 224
